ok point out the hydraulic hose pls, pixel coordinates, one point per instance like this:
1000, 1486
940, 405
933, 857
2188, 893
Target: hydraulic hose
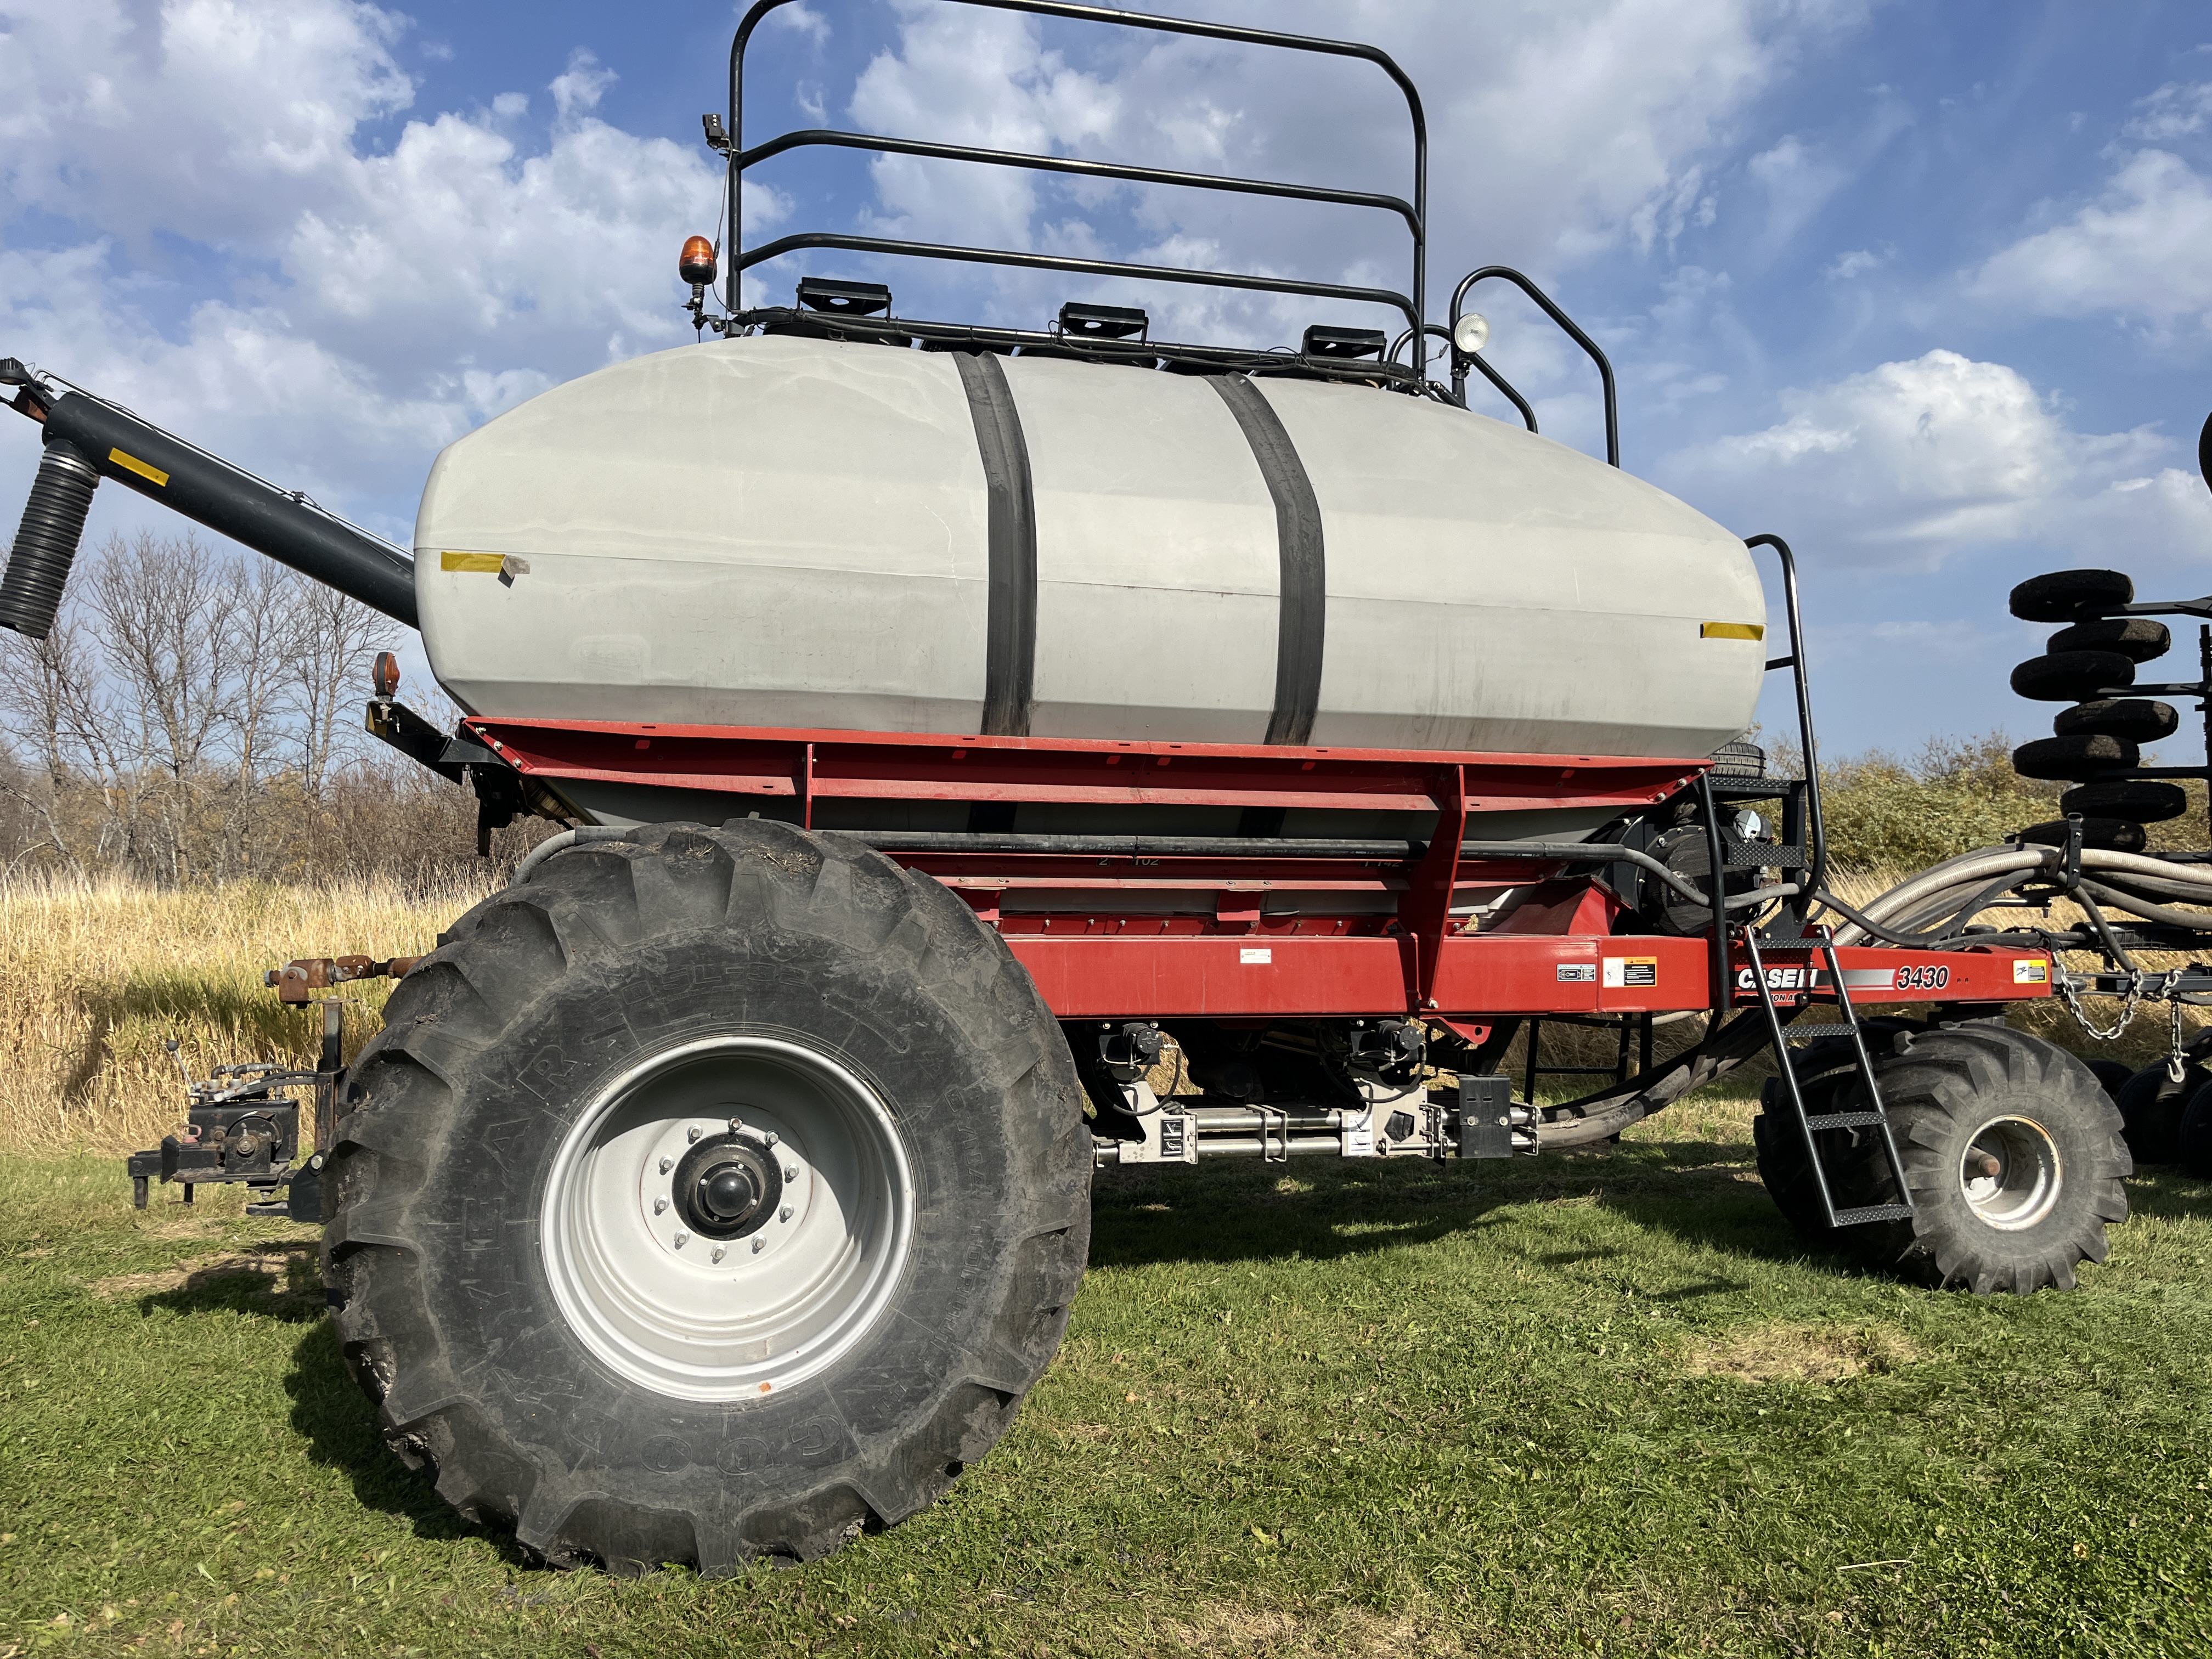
47, 542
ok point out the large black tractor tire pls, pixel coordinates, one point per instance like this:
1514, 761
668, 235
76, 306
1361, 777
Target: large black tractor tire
2011, 1154
711, 1194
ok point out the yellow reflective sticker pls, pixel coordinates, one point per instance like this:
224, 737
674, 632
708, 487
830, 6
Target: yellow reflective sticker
489, 563
138, 466
1732, 631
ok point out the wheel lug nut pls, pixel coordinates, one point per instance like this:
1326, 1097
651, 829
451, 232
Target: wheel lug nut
783, 1214
759, 1243
691, 1134
666, 1164
660, 1205
791, 1172
771, 1138
681, 1239
718, 1253
736, 1124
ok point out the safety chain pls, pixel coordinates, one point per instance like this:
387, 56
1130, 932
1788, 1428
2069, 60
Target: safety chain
2128, 1006
2176, 1062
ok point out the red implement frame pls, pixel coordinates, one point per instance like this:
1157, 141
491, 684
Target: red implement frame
1126, 935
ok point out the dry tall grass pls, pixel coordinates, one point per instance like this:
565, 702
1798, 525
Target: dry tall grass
95, 976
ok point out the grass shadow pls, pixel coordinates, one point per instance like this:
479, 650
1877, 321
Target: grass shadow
333, 1415
279, 1279
1693, 1191
2162, 1191
1247, 1212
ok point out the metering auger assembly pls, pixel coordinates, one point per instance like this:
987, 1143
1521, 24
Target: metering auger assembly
986, 755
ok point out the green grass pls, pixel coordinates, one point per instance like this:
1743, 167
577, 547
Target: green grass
1378, 1408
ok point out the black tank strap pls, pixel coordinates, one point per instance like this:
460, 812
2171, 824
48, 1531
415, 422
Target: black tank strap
1301, 613
1010, 651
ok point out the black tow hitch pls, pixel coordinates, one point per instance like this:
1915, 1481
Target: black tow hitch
241, 1124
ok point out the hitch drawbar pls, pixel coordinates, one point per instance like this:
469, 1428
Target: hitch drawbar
89, 439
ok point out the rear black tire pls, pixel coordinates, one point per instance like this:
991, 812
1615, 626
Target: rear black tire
2071, 676
2114, 1074
2074, 757
2152, 1105
2116, 835
2065, 594
1968, 1090
2193, 1146
499, 1050
2139, 800
2139, 638
2138, 719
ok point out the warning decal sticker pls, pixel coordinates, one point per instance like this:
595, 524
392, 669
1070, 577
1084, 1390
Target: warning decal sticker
2025, 972
1622, 972
1577, 973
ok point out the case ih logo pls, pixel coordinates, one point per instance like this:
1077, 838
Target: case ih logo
1781, 978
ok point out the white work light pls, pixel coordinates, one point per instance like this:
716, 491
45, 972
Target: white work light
1471, 334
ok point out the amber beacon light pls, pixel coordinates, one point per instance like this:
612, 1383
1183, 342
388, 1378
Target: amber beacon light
697, 263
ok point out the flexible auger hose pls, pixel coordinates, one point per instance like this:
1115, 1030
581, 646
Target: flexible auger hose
47, 542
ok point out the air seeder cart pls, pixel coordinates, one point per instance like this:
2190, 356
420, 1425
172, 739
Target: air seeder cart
961, 731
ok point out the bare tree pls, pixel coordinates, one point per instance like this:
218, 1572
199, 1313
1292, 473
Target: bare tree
193, 717
335, 641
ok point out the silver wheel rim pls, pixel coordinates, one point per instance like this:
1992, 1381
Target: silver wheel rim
2009, 1173
654, 1280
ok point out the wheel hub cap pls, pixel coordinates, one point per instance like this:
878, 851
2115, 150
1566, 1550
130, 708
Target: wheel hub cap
727, 1219
2009, 1173
727, 1187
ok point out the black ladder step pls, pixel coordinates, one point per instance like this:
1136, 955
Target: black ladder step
1844, 1120
1873, 1213
1818, 1030
1760, 856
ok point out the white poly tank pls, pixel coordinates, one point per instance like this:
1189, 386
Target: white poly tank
792, 532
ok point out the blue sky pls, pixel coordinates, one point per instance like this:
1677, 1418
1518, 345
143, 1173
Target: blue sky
1926, 289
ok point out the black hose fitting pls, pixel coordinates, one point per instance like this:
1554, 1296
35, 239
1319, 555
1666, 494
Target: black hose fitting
46, 544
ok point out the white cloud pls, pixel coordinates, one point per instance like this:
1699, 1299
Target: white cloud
578, 91
1798, 180
1856, 263
380, 298
2143, 249
2174, 111
1557, 133
801, 19
1912, 463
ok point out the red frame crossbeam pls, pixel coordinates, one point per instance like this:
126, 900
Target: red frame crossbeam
1125, 936
812, 766
1105, 975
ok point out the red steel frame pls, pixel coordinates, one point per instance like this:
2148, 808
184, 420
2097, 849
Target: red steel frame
1392, 944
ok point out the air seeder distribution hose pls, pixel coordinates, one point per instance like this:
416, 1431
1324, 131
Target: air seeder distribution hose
1934, 911
1955, 891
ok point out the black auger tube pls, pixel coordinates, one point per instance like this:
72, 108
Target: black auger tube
46, 541
233, 503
